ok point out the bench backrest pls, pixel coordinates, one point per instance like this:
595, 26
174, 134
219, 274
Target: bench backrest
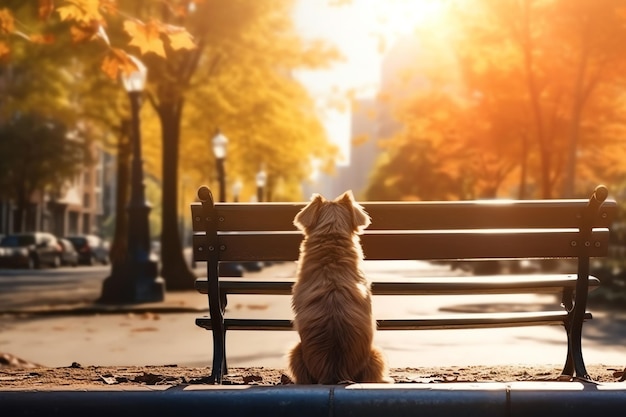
448, 230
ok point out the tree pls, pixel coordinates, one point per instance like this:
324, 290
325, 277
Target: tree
215, 51
37, 155
566, 52
538, 101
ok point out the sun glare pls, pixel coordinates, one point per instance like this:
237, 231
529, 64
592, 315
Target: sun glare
363, 31
399, 17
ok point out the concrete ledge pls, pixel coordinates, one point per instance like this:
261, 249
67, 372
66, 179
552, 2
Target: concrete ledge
463, 399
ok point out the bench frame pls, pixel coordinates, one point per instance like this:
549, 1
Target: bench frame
468, 230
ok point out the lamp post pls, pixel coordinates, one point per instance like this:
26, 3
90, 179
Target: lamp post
261, 180
237, 186
134, 279
220, 143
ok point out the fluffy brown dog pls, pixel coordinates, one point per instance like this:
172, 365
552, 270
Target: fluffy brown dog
332, 299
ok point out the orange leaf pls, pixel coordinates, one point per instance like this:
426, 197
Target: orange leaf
108, 6
82, 11
46, 7
180, 39
5, 51
7, 22
117, 62
42, 39
145, 36
81, 33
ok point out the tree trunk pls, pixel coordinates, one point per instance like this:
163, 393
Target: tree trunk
523, 168
578, 98
175, 271
545, 150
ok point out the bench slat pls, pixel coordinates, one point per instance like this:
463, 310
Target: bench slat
501, 284
416, 245
457, 321
423, 285
424, 215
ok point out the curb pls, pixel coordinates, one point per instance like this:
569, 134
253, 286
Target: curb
466, 399
92, 309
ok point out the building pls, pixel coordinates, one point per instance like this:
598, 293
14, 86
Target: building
373, 121
77, 208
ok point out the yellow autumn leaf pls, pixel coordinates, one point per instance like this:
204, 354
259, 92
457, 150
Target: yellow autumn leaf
46, 7
81, 11
42, 39
117, 62
180, 39
145, 36
4, 50
81, 33
7, 22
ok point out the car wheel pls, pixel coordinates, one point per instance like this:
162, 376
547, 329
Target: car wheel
90, 260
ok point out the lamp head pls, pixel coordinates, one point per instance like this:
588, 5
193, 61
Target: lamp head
136, 80
261, 178
220, 142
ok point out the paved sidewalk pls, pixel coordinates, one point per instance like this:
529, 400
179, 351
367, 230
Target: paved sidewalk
165, 333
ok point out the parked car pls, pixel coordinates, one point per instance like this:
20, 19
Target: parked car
90, 248
69, 255
30, 250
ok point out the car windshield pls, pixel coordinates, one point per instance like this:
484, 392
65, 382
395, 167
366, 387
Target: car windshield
17, 240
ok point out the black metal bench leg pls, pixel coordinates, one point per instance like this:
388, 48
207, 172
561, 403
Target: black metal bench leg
224, 303
568, 368
219, 355
216, 310
575, 346
567, 301
577, 317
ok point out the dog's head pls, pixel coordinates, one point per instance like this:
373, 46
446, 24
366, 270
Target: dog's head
342, 215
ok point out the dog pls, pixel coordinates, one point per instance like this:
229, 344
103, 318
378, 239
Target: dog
331, 298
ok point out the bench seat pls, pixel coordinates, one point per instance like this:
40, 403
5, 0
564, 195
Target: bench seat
451, 321
501, 284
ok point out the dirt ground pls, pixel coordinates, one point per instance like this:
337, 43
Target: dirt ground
17, 375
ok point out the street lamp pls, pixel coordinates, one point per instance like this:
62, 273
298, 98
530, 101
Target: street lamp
261, 180
134, 279
237, 186
220, 143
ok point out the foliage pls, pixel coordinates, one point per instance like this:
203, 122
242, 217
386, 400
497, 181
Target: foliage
537, 110
37, 155
228, 65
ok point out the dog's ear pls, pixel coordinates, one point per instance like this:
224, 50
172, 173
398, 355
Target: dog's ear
307, 217
360, 218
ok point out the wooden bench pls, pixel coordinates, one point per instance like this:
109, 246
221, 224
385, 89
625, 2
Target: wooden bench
575, 229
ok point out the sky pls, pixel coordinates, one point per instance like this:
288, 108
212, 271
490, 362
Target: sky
356, 29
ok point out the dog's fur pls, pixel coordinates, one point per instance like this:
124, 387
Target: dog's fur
332, 298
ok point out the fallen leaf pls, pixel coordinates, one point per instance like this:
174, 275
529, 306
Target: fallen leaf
247, 379
144, 329
109, 379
